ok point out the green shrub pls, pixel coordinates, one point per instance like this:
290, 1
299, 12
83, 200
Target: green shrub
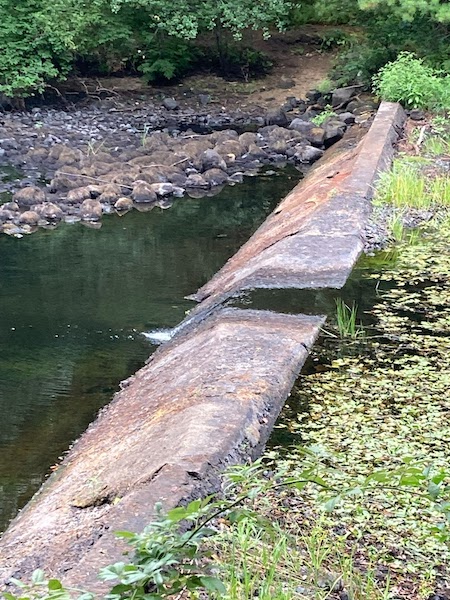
167, 58
409, 81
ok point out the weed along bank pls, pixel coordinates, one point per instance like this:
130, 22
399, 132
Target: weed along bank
209, 397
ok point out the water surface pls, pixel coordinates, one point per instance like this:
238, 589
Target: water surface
73, 302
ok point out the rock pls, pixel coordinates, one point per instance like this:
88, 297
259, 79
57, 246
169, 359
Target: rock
286, 84
314, 135
417, 115
313, 96
301, 125
308, 154
123, 204
111, 192
276, 116
91, 210
77, 195
29, 217
354, 104
13, 206
342, 95
162, 189
204, 99
6, 215
170, 104
143, 192
196, 181
223, 136
347, 117
292, 102
11, 229
211, 159
178, 191
49, 211
69, 157
246, 139
334, 131
228, 148
215, 177
256, 153
29, 196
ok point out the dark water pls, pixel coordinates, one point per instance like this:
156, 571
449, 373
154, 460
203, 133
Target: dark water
73, 303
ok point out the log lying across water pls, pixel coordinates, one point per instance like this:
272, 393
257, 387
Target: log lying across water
211, 395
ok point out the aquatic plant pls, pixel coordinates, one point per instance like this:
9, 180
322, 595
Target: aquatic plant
346, 323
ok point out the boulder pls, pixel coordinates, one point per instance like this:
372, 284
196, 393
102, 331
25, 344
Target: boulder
29, 217
313, 95
256, 153
110, 193
143, 192
276, 116
211, 159
347, 117
29, 196
7, 215
77, 195
49, 211
334, 131
308, 154
10, 206
343, 95
91, 210
247, 139
301, 125
170, 104
196, 181
222, 136
123, 204
162, 189
215, 177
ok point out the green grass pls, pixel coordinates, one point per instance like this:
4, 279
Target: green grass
396, 227
273, 562
402, 186
409, 185
436, 145
346, 323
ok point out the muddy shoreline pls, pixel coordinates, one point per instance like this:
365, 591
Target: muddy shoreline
84, 162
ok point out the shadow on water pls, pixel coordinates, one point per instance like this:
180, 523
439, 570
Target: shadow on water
74, 301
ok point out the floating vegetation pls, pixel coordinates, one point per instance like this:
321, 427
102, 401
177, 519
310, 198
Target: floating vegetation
386, 407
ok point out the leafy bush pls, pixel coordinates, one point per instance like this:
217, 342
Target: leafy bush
167, 58
409, 81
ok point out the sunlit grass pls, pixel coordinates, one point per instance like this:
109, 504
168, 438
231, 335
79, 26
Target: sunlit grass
406, 186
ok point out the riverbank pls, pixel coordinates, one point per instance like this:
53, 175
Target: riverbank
368, 419
83, 163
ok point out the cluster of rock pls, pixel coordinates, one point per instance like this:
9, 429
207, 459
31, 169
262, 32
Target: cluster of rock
122, 170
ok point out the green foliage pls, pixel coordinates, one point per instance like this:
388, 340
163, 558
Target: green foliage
327, 113
170, 555
346, 323
409, 81
408, 186
409, 9
167, 58
186, 19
